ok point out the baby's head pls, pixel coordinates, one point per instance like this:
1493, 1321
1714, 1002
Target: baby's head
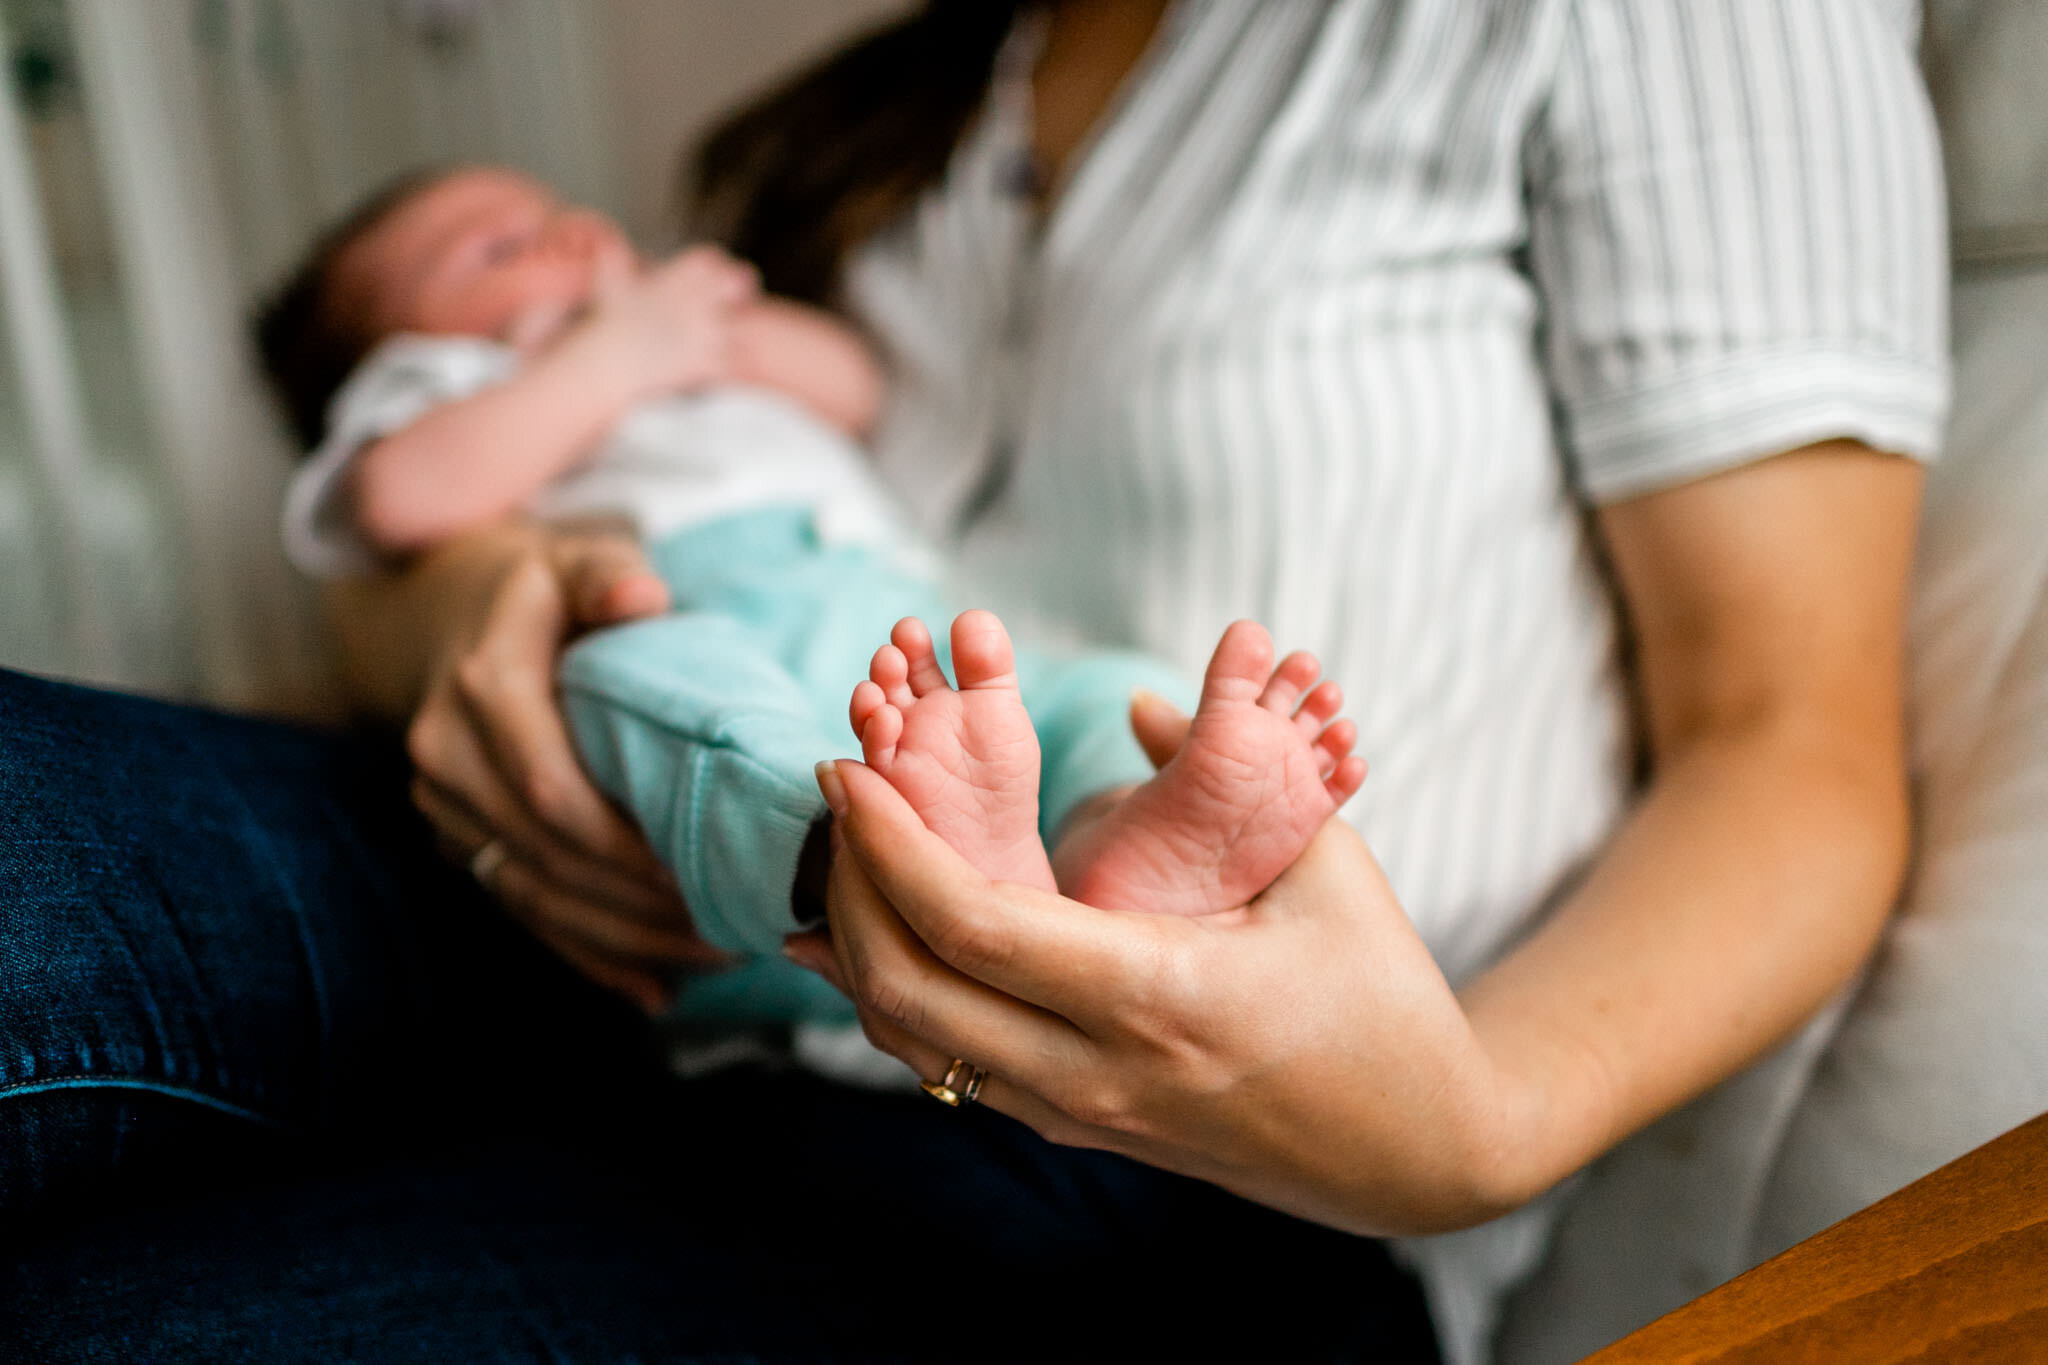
478, 251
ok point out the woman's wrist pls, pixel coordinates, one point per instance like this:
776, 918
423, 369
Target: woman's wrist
394, 631
1472, 1168
1505, 1138
1550, 1112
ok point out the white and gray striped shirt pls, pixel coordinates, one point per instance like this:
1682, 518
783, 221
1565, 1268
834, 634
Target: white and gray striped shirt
1350, 311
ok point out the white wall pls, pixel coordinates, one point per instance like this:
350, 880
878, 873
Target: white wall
175, 169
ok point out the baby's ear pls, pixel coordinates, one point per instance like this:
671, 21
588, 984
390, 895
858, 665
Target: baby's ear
1158, 724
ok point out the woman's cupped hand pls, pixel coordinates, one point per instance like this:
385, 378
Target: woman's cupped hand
495, 768
1303, 1051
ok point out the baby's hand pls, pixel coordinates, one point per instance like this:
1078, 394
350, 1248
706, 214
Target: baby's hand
669, 327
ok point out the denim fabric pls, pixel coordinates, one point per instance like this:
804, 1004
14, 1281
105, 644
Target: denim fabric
275, 1085
223, 927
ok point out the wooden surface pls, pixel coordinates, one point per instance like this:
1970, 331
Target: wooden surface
1952, 1268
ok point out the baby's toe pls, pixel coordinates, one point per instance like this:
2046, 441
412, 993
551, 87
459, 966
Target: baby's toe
1343, 784
1335, 742
878, 738
890, 671
922, 661
1318, 708
1296, 672
1240, 667
867, 697
982, 654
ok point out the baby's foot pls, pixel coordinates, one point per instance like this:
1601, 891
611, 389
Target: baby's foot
1262, 768
965, 760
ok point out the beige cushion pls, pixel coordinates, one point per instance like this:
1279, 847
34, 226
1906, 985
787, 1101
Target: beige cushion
1984, 62
1945, 1043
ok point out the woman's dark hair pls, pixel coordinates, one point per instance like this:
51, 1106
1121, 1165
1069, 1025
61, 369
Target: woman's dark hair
815, 167
307, 338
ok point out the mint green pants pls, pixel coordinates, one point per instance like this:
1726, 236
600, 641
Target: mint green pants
706, 724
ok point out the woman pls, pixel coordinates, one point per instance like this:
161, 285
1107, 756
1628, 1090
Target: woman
1336, 316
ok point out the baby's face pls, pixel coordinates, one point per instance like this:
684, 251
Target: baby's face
484, 253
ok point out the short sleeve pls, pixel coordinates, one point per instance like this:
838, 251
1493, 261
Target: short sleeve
401, 381
1737, 232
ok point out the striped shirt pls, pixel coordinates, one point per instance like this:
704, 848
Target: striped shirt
1347, 315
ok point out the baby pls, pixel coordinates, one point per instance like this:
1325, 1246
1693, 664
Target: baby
466, 346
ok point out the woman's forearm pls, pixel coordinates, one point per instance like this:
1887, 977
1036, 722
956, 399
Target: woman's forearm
1743, 892
1767, 606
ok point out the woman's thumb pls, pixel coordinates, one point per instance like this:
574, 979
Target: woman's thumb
609, 581
1158, 724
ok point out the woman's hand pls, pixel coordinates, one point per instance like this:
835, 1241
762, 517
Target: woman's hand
495, 768
1304, 1051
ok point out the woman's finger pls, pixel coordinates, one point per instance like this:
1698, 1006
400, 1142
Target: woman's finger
1082, 964
533, 899
930, 1063
464, 797
608, 581
889, 973
998, 1092
463, 829
574, 912
647, 989
507, 687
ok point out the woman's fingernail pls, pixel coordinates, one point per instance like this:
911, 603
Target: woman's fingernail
831, 787
802, 954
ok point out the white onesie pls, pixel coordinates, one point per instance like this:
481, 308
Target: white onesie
668, 464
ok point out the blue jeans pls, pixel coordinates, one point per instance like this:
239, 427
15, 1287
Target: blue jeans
275, 1084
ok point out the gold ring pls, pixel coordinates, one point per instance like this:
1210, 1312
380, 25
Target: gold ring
485, 862
942, 1089
952, 1090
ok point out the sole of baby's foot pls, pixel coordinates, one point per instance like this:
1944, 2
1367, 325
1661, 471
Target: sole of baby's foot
966, 757
1264, 765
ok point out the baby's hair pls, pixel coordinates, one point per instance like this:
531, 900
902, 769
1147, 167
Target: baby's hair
305, 336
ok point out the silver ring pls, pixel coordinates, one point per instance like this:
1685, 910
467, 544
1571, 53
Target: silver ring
485, 863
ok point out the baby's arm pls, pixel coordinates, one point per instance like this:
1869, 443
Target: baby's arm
473, 461
811, 357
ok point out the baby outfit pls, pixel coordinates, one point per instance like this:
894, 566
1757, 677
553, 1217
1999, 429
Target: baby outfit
788, 564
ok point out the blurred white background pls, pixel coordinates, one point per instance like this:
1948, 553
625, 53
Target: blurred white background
162, 162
